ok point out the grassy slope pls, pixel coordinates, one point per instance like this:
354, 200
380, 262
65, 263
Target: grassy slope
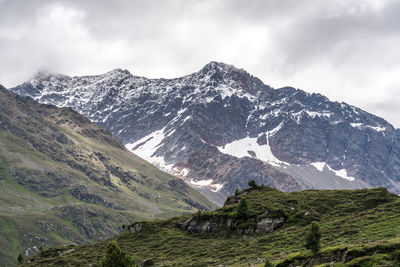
362, 222
46, 153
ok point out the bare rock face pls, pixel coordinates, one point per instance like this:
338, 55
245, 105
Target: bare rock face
146, 263
268, 225
200, 225
220, 127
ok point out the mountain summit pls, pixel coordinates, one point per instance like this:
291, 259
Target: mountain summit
220, 127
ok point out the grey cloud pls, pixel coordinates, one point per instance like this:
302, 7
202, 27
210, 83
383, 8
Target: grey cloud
346, 49
388, 108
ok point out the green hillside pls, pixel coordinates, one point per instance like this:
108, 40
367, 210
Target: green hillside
64, 180
359, 228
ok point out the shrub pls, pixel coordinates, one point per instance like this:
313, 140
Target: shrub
253, 184
313, 237
116, 257
242, 209
228, 199
268, 263
199, 214
237, 191
396, 256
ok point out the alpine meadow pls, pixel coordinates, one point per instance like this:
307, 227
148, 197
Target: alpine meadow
182, 133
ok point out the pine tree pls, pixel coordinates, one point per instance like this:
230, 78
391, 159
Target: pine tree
242, 210
313, 237
20, 258
116, 257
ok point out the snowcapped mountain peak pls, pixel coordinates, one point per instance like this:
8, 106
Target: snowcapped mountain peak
220, 67
234, 80
225, 125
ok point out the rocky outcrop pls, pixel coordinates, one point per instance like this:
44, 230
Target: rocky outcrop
268, 225
82, 193
147, 263
46, 184
215, 224
134, 228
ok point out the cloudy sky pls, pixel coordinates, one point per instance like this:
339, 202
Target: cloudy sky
348, 50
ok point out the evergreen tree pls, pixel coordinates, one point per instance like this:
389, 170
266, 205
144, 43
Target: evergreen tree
237, 191
116, 257
242, 210
20, 258
313, 237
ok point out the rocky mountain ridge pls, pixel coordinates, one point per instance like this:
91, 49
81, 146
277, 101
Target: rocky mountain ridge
220, 127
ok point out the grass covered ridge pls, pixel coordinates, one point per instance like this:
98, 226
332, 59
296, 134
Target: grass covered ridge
362, 224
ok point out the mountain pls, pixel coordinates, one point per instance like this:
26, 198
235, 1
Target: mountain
220, 127
65, 180
358, 228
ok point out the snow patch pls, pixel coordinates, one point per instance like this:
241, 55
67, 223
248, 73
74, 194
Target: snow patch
180, 172
319, 165
147, 146
275, 130
243, 148
207, 183
356, 125
341, 173
217, 187
181, 111
184, 172
264, 117
170, 133
314, 114
362, 126
201, 182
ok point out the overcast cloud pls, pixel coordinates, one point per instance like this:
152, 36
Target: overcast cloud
348, 50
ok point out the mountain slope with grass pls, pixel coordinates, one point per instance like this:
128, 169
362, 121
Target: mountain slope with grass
358, 228
64, 180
